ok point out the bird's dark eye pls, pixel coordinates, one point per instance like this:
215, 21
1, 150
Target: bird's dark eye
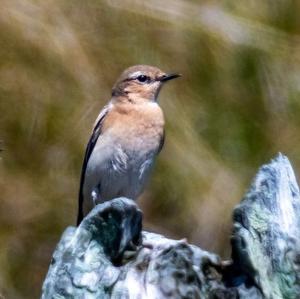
143, 78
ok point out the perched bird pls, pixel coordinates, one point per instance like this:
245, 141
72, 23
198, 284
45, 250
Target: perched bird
127, 136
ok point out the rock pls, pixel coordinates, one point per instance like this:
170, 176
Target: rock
109, 256
83, 262
266, 234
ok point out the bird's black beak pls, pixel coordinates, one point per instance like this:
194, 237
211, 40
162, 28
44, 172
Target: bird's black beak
168, 77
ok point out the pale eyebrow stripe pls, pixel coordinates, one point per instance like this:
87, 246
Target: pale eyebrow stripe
136, 74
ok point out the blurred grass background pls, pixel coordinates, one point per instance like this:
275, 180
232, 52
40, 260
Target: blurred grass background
235, 107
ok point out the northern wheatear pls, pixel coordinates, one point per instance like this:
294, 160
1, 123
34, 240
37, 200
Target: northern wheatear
127, 136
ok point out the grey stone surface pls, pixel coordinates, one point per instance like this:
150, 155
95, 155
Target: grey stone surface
109, 256
267, 230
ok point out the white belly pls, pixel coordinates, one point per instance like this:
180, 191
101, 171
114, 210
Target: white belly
114, 171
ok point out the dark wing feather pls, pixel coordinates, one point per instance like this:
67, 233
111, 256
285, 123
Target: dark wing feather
162, 142
89, 149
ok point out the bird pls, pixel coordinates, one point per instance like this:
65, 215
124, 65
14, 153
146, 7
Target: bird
127, 136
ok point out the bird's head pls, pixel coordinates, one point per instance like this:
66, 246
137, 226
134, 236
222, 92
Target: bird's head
141, 83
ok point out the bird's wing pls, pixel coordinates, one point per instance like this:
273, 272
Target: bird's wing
162, 142
89, 149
